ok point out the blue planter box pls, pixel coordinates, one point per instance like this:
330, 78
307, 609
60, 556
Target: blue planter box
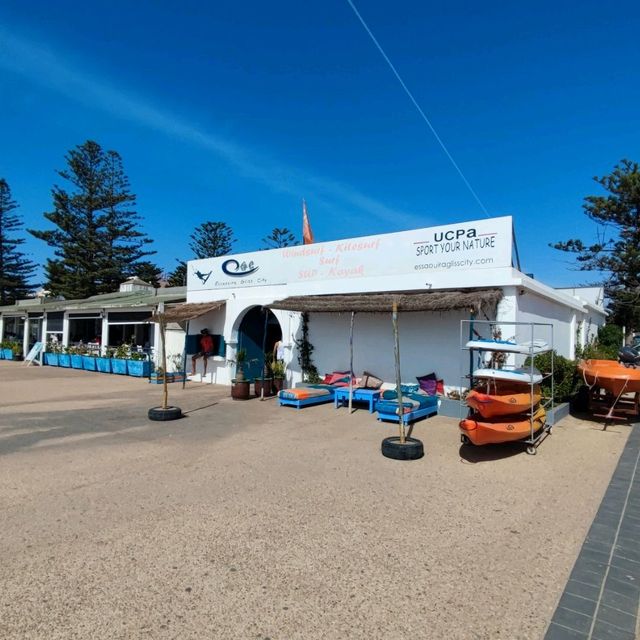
103, 365
158, 378
76, 361
51, 359
139, 368
1, 354
64, 360
8, 354
89, 363
119, 366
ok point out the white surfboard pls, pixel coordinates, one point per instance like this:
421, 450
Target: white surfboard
537, 346
513, 375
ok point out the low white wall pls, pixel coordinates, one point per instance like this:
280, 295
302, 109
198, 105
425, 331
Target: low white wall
174, 344
429, 342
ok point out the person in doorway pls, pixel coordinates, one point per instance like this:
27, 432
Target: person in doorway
206, 350
278, 350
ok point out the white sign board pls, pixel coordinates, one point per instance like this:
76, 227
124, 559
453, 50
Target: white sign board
34, 352
479, 244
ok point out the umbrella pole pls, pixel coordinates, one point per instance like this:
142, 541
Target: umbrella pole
165, 389
264, 347
353, 314
396, 352
184, 357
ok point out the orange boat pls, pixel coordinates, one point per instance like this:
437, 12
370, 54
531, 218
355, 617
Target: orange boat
503, 400
610, 376
481, 431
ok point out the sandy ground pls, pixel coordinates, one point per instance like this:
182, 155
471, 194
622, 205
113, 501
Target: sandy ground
247, 520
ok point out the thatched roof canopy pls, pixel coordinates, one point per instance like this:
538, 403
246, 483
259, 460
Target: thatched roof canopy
188, 311
472, 300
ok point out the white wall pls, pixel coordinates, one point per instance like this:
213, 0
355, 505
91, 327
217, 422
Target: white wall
429, 342
534, 308
174, 345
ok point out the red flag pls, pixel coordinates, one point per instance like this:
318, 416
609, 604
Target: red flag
307, 234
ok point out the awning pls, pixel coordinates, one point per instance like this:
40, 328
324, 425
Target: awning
471, 300
189, 310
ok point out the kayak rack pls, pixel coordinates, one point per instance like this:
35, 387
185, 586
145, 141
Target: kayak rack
512, 359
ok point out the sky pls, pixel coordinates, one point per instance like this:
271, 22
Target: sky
237, 111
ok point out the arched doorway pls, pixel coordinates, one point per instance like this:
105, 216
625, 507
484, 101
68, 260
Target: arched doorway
259, 326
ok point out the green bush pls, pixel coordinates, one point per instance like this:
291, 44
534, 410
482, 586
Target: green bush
597, 351
610, 336
565, 376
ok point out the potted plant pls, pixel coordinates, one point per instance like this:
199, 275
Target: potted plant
89, 361
264, 384
16, 350
119, 360
103, 362
64, 358
12, 350
240, 388
278, 369
51, 355
76, 357
179, 374
159, 376
138, 365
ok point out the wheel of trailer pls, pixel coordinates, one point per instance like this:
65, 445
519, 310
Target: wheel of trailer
465, 439
412, 448
161, 415
531, 450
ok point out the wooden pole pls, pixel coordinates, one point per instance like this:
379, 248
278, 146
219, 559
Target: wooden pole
396, 352
184, 356
353, 314
264, 349
165, 389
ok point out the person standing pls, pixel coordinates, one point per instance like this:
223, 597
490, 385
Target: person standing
206, 350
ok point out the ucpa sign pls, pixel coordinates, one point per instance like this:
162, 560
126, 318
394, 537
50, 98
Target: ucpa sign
448, 248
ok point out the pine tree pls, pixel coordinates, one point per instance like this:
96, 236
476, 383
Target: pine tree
123, 243
279, 238
615, 256
96, 243
15, 269
178, 277
209, 240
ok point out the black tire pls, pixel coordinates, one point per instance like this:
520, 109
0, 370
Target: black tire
160, 414
412, 449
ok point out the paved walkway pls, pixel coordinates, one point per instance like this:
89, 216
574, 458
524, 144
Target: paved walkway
601, 598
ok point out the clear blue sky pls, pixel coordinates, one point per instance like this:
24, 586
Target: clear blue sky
236, 111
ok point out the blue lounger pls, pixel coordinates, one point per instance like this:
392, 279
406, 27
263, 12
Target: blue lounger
306, 396
420, 407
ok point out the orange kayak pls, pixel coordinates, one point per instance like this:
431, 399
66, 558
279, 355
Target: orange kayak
505, 401
610, 376
482, 431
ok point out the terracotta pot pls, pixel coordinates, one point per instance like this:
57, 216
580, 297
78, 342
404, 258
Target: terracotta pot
240, 389
263, 385
278, 384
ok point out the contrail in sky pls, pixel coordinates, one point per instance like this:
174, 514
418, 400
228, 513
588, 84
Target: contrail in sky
43, 66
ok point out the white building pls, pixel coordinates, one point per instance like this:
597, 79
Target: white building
101, 321
473, 258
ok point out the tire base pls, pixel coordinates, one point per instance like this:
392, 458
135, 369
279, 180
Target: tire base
161, 415
412, 449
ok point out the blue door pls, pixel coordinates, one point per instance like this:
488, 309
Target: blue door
259, 326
